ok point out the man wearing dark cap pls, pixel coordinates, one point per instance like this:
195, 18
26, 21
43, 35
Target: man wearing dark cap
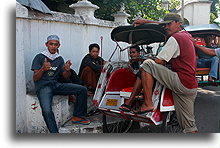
47, 67
181, 79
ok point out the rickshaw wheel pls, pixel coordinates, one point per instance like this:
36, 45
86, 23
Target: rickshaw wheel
119, 126
170, 123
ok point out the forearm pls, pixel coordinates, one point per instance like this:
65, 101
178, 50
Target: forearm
206, 50
143, 21
38, 74
95, 67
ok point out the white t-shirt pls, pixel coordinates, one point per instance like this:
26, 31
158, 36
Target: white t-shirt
217, 52
170, 50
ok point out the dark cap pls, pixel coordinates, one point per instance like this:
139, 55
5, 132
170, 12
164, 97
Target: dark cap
168, 18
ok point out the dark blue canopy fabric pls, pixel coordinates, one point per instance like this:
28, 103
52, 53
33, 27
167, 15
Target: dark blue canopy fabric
35, 4
202, 30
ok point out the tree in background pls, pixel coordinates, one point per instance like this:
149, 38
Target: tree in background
174, 4
149, 9
60, 5
215, 9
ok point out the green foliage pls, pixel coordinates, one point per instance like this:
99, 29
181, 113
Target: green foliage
212, 18
107, 8
60, 5
149, 9
174, 4
215, 8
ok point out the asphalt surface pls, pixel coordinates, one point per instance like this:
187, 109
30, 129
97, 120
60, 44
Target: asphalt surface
207, 109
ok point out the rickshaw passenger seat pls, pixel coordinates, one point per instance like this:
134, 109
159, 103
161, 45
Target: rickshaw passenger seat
202, 71
120, 79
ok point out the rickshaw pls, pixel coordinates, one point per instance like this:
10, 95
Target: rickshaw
117, 79
200, 31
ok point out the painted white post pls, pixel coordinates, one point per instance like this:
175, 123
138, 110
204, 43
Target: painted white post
182, 10
121, 16
84, 8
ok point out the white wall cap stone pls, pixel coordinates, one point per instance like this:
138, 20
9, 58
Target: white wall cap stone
84, 4
121, 16
84, 8
120, 13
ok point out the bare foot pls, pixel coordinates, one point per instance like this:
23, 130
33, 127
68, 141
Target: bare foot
144, 109
211, 79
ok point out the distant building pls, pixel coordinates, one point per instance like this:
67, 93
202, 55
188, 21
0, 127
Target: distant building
197, 12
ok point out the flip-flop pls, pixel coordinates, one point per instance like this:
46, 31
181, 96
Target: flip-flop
125, 108
81, 122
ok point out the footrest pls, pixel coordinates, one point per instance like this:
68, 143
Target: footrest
126, 92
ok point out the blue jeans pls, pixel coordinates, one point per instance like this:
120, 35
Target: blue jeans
45, 96
209, 63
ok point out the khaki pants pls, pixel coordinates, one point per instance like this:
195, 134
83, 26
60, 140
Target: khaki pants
184, 98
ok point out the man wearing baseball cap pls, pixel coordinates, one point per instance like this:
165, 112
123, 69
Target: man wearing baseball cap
47, 67
181, 79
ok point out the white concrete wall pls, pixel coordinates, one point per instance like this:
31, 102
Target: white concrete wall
197, 12
75, 32
20, 81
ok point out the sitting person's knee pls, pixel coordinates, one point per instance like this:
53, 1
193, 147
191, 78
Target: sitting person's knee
87, 68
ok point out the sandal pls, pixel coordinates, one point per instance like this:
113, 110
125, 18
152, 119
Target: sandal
125, 108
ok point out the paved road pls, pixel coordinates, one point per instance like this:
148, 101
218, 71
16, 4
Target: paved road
207, 109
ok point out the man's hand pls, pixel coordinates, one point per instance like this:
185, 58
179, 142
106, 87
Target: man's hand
38, 73
66, 74
46, 66
67, 65
159, 61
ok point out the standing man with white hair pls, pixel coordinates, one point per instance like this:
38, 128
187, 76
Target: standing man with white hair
47, 67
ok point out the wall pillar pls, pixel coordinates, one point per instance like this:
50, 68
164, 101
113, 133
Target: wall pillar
121, 16
84, 8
